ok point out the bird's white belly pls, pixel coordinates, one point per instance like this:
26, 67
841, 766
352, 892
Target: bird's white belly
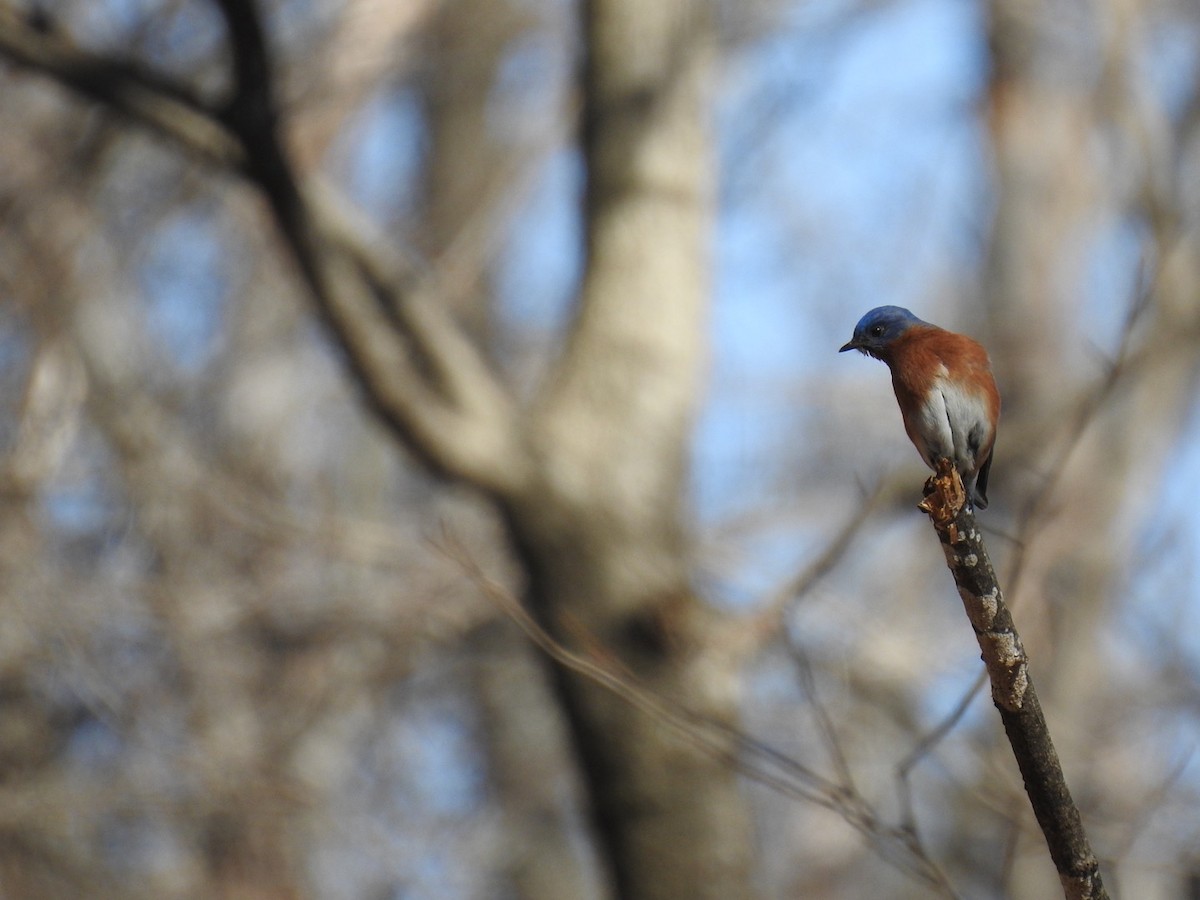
947, 419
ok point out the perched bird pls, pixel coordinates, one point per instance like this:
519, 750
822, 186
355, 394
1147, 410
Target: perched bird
944, 385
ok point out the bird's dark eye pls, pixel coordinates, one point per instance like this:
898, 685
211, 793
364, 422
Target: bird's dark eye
876, 331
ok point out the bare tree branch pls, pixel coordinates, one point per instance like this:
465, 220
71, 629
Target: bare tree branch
769, 618
167, 108
419, 372
1012, 687
468, 428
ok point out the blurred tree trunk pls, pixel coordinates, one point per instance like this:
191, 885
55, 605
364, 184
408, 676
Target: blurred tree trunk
600, 526
1040, 115
1063, 83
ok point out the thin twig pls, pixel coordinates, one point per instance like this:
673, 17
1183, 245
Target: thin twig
898, 845
772, 611
829, 736
930, 740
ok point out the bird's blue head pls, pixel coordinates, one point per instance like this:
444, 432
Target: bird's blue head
878, 328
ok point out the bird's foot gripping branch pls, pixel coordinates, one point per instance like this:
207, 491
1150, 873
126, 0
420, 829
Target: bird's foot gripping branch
945, 497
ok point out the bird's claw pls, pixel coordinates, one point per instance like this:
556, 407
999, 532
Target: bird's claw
945, 497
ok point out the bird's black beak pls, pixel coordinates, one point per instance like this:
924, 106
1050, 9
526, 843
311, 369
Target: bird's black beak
849, 345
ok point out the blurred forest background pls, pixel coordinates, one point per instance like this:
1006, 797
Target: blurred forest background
541, 300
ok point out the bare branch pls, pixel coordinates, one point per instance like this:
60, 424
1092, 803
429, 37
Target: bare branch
768, 620
1012, 688
165, 107
418, 372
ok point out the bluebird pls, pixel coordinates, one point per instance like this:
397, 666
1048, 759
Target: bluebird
944, 386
